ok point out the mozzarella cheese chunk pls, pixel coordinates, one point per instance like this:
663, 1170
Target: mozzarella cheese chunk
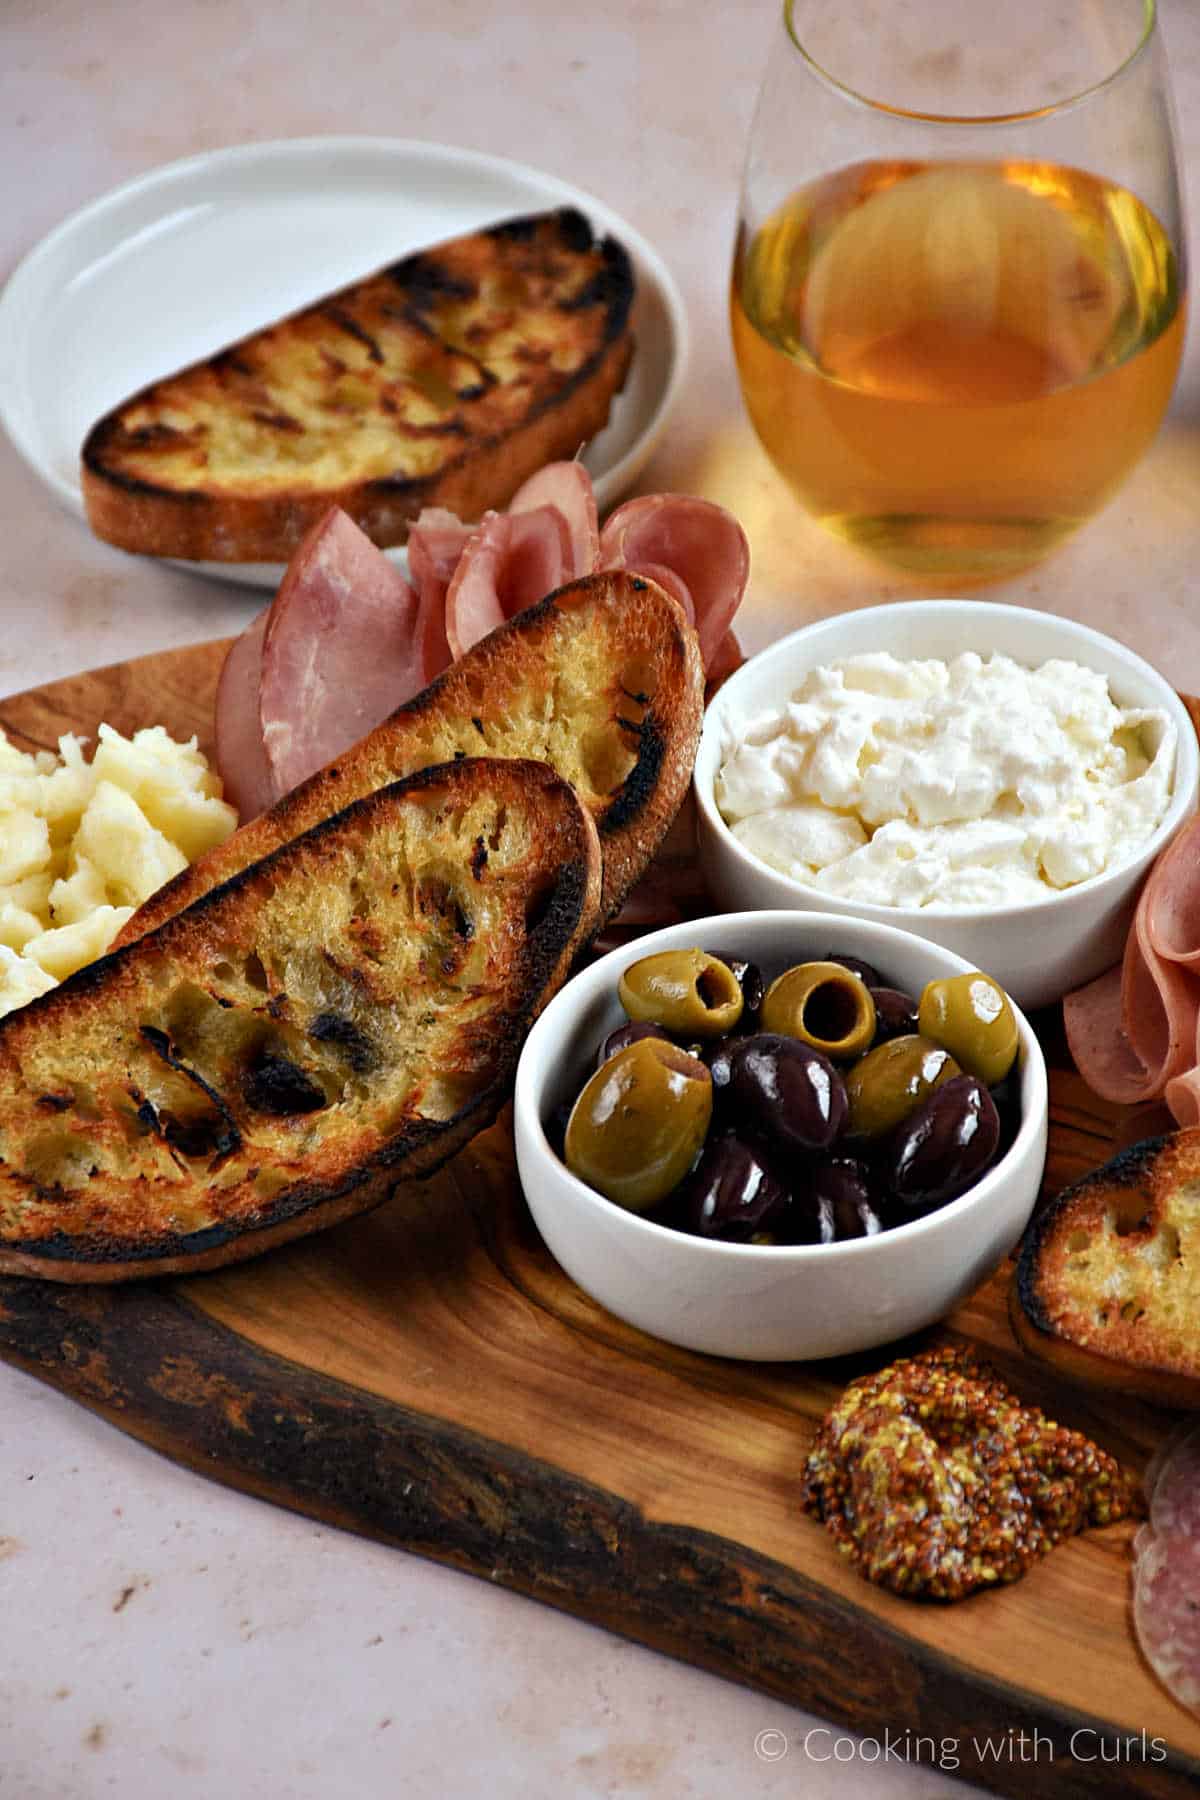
972, 783
82, 845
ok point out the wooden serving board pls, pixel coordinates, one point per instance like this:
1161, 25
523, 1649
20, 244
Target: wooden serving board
427, 1375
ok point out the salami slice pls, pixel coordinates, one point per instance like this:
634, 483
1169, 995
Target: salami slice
1166, 1609
1166, 1569
1173, 1485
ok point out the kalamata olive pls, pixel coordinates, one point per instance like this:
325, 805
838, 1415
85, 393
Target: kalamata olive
719, 1057
687, 992
972, 1017
866, 972
556, 1128
891, 1081
810, 1220
732, 1193
895, 1014
945, 1145
623, 1036
636, 1128
845, 1184
787, 1091
1006, 1096
824, 1005
748, 976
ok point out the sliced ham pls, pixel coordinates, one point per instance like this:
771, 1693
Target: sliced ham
726, 661
435, 543
511, 561
1096, 1038
1166, 1572
1172, 908
1182, 1095
567, 486
1134, 1033
340, 651
347, 639
699, 545
241, 757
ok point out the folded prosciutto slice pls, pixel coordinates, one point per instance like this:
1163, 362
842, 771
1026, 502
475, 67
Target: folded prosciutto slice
1134, 1032
347, 639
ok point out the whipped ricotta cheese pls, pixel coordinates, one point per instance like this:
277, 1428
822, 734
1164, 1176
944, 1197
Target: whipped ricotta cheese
974, 782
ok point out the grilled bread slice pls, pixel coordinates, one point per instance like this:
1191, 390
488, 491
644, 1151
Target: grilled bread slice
602, 680
1107, 1287
341, 1016
444, 380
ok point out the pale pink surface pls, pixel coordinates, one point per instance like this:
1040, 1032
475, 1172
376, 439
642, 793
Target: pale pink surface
256, 1654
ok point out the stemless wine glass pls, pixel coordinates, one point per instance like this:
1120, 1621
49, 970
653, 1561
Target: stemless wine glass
959, 284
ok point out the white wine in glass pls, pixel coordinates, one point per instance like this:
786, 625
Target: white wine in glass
958, 297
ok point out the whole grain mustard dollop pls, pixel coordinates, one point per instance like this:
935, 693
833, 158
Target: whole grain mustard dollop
935, 1479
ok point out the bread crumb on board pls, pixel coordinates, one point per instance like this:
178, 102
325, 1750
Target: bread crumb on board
83, 844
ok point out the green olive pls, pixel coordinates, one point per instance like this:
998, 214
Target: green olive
972, 1017
892, 1080
636, 1128
825, 1006
686, 991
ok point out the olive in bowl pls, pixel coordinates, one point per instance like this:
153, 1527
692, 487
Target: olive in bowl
740, 1269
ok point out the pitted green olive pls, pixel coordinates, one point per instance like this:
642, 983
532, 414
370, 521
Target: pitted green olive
971, 1016
638, 1125
892, 1080
824, 1005
688, 992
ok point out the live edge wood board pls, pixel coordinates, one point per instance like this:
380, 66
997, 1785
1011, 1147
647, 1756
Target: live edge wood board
426, 1375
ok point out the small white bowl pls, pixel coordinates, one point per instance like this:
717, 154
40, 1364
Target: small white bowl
1038, 951
765, 1303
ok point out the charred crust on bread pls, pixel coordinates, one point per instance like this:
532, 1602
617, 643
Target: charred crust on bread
153, 488
644, 656
640, 785
1113, 1310
546, 912
1129, 1168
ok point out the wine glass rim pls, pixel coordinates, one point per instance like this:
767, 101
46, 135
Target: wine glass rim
1149, 21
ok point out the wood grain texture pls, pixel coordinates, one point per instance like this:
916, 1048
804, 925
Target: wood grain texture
426, 1375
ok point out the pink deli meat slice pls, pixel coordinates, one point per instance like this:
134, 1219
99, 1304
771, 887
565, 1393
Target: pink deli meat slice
726, 661
511, 561
1182, 1095
1166, 1574
1173, 1484
568, 486
240, 754
1166, 1609
435, 543
1172, 899
699, 543
341, 650
1134, 1033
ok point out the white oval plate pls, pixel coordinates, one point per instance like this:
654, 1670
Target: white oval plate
166, 269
